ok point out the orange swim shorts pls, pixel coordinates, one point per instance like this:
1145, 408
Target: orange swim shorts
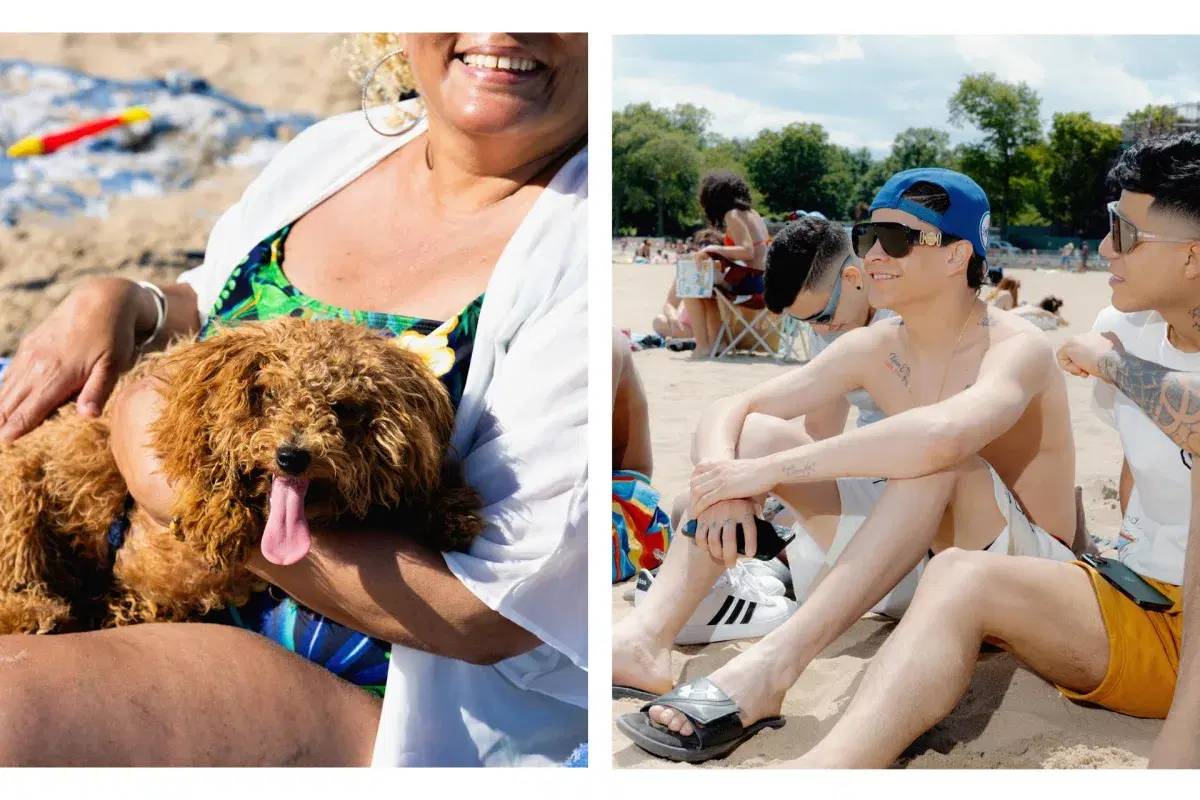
1143, 651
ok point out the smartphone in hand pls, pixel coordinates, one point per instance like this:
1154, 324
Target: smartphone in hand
770, 541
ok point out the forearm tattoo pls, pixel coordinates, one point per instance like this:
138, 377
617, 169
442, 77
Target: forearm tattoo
1169, 397
801, 470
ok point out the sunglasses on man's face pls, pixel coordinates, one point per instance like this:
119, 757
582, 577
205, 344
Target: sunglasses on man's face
896, 239
827, 314
1126, 236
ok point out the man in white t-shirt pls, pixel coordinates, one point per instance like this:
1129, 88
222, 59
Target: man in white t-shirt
1065, 620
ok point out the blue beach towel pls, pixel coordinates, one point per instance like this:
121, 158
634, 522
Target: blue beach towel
580, 757
195, 128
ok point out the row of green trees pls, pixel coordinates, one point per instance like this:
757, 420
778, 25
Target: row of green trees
1050, 178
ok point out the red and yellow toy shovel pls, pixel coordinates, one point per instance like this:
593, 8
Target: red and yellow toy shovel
44, 145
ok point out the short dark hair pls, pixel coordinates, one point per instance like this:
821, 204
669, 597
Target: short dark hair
707, 236
1051, 303
1165, 167
937, 199
720, 192
799, 257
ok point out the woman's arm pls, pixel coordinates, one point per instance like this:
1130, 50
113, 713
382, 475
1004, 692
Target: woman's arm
84, 346
382, 584
742, 248
376, 582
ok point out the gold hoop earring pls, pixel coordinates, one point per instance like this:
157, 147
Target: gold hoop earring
413, 119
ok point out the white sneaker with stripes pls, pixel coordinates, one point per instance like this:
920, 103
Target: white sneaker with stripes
739, 606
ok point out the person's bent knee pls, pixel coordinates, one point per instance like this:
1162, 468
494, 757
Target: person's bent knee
945, 481
957, 571
762, 435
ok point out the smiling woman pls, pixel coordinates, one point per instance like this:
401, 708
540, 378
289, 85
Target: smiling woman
460, 233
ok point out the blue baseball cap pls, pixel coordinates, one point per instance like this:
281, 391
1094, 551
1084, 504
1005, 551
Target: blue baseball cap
968, 217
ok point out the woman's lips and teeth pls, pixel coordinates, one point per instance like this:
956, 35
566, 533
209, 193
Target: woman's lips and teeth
500, 67
1114, 279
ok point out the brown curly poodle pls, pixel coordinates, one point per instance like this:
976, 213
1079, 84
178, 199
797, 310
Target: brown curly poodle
266, 428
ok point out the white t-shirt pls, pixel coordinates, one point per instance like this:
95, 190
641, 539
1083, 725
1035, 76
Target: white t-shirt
521, 432
1154, 531
868, 410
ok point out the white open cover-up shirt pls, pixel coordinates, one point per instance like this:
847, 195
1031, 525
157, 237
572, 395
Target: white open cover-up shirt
521, 430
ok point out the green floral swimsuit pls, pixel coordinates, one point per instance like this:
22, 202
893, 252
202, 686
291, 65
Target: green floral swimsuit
258, 290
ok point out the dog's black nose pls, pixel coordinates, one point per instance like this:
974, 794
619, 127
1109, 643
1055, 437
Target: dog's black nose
293, 460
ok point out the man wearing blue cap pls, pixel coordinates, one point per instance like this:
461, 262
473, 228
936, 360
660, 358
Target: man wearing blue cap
1117, 632
976, 453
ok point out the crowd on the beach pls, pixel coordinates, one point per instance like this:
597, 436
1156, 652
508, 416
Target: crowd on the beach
951, 504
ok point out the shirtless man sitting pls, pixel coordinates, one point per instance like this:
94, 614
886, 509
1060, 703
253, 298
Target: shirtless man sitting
976, 452
1097, 646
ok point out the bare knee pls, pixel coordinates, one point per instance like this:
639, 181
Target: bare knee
945, 484
763, 435
956, 576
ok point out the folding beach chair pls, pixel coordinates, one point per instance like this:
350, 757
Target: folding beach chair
781, 338
747, 326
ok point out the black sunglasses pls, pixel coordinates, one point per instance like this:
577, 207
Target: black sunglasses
896, 239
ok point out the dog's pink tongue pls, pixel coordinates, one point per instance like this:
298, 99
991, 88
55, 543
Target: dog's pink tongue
286, 539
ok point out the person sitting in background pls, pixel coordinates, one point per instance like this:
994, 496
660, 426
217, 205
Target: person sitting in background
674, 322
725, 200
1004, 295
1045, 314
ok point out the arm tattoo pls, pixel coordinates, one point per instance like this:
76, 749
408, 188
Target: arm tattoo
899, 368
1169, 397
800, 470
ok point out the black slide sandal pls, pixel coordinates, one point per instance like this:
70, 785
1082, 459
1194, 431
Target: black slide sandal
629, 693
718, 731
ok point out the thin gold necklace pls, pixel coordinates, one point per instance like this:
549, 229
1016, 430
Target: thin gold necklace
946, 374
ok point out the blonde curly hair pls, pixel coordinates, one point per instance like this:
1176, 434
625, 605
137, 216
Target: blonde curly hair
393, 80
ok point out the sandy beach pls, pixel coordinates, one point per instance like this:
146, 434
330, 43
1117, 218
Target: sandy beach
42, 258
1009, 717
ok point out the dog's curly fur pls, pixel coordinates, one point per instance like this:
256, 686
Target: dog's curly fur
374, 419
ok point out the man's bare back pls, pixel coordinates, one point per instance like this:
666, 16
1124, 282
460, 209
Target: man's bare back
1035, 457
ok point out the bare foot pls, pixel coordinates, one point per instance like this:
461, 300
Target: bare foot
746, 683
640, 663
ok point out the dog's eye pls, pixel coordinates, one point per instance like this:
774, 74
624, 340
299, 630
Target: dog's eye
348, 413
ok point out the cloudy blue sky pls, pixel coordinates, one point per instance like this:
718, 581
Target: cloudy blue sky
866, 89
